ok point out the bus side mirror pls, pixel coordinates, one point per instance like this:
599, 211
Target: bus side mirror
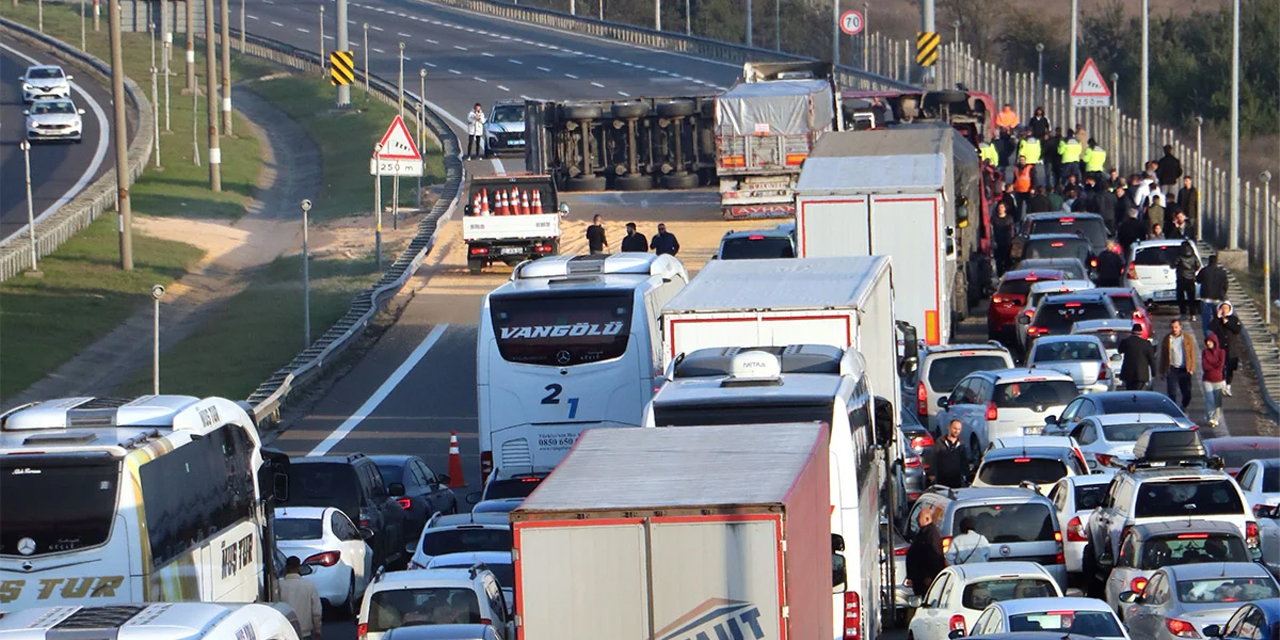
839, 576
884, 421
280, 487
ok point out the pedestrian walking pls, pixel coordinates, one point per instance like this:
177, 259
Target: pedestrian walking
1213, 291
925, 559
1186, 268
1002, 233
1052, 159
1040, 202
1130, 230
1168, 169
1178, 229
1022, 184
1138, 360
475, 132
635, 241
969, 546
1104, 202
301, 595
1110, 269
1226, 325
951, 458
596, 240
664, 243
1189, 202
1178, 363
1039, 124
1213, 362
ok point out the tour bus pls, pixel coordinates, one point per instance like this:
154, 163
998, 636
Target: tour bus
110, 500
170, 621
571, 342
799, 383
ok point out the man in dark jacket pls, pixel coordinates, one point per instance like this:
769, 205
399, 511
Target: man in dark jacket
1189, 201
664, 243
1104, 201
1185, 269
1052, 159
1168, 169
925, 559
1130, 230
1139, 360
1226, 325
1213, 291
951, 458
1040, 202
1110, 267
635, 241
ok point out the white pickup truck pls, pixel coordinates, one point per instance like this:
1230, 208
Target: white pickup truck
511, 219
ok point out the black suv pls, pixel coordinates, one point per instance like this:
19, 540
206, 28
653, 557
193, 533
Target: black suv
353, 484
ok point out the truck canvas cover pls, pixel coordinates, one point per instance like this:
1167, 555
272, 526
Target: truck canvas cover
806, 283
909, 159
771, 108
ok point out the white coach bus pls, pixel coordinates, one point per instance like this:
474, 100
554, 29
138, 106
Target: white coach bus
571, 342
158, 498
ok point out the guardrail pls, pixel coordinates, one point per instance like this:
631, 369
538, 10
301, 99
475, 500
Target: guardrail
99, 196
271, 395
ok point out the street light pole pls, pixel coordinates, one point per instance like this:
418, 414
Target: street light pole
1199, 153
31, 213
322, 59
191, 44
195, 128
1115, 118
211, 87
226, 68
366, 57
1266, 244
243, 38
157, 292
1233, 233
168, 49
306, 279
400, 85
120, 135
1075, 22
1040, 70
342, 44
1146, 84
377, 205
155, 111
82, 38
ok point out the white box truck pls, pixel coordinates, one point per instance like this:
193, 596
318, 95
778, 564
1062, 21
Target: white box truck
680, 534
905, 193
842, 301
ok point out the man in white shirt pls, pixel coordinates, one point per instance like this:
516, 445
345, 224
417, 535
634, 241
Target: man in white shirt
969, 546
302, 596
475, 132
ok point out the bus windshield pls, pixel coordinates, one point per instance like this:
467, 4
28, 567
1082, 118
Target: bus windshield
560, 331
52, 504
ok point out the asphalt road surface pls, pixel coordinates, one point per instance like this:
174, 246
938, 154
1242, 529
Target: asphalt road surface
59, 170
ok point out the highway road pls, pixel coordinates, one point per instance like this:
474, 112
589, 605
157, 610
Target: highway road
59, 171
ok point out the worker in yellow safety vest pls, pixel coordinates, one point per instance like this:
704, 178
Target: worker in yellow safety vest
1095, 160
987, 152
1070, 150
1031, 149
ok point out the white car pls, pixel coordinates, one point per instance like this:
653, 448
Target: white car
1074, 498
1004, 403
45, 81
960, 593
54, 119
325, 539
461, 533
1110, 332
499, 562
1260, 482
942, 367
1087, 617
1038, 460
434, 597
1107, 440
504, 130
1084, 358
1151, 270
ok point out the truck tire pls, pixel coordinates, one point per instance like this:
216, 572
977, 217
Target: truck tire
708, 109
633, 182
680, 180
675, 108
475, 266
579, 111
586, 183
630, 109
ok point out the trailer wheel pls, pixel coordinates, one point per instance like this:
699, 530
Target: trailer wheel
633, 182
675, 108
586, 183
708, 109
579, 111
475, 266
630, 109
680, 180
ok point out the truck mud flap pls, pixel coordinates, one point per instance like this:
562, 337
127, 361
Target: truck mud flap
759, 211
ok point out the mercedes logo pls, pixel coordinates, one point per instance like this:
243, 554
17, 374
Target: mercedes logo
26, 546
563, 357
1005, 550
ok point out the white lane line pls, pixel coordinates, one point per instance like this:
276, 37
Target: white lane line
278, 24
302, 30
514, 61
486, 54
503, 88
408, 59
624, 94
455, 72
570, 75
597, 84
459, 47
328, 37
505, 37
251, 16
429, 65
498, 169
376, 28
479, 79
433, 41
99, 152
544, 69
330, 441
403, 34
524, 97
378, 50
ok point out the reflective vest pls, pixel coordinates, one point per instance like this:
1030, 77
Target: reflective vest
1070, 150
1022, 182
1029, 148
988, 153
1095, 159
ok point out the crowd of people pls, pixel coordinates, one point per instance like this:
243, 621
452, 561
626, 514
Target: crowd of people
664, 242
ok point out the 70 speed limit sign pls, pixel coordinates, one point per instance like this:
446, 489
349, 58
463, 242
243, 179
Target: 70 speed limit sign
851, 22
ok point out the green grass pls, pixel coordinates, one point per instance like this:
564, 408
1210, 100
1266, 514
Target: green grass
46, 321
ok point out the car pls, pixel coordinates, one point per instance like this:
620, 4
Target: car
1129, 305
942, 367
1039, 290
1074, 498
1151, 272
504, 130
1090, 226
1034, 462
425, 491
1072, 616
961, 592
1107, 440
1018, 524
444, 632
1084, 358
1235, 451
499, 562
759, 244
50, 119
1109, 333
1186, 601
353, 484
45, 81
1096, 404
462, 533
1004, 402
434, 596
1260, 481
1011, 296
497, 505
1058, 245
325, 539
1149, 547
1258, 620
1059, 311
502, 485
1269, 538
1075, 268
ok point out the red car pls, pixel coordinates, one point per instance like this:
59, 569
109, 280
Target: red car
1236, 451
1011, 296
1129, 303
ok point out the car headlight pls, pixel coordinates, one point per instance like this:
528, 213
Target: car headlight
27, 87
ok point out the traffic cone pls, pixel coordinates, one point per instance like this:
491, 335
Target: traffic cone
515, 202
484, 202
524, 204
537, 202
455, 463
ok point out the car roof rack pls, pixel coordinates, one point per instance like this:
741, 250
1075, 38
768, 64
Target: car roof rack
1171, 447
476, 568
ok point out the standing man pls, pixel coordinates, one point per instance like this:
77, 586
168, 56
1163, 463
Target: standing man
596, 242
951, 458
1007, 119
1052, 160
302, 596
635, 241
1095, 160
664, 244
1030, 149
1226, 325
1185, 269
1070, 151
1139, 360
1168, 169
1110, 267
475, 133
1178, 363
925, 559
1189, 202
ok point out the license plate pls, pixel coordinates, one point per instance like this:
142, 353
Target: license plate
1166, 294
511, 251
1032, 431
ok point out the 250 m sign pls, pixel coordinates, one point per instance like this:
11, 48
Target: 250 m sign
386, 167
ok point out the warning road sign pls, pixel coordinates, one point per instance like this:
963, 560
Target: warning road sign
398, 155
851, 22
342, 68
1090, 90
927, 48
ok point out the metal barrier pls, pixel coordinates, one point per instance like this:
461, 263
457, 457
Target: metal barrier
98, 197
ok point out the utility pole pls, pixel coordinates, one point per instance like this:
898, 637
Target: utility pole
40, 15
191, 44
168, 50
344, 90
211, 82
750, 27
306, 279
120, 135
322, 60
657, 15
928, 75
155, 111
835, 31
1265, 177
866, 33
400, 85
366, 57
157, 292
777, 25
97, 26
195, 128
83, 44
226, 68
244, 41
1233, 239
688, 19
1146, 84
1075, 25
1115, 119
377, 205
31, 212
1040, 69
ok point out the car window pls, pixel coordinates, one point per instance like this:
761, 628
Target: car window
1226, 589
1058, 248
1020, 287
1091, 228
1191, 548
392, 473
979, 594
1088, 433
508, 114
1058, 317
984, 622
1089, 496
438, 542
1116, 432
1235, 458
324, 484
433, 605
1157, 591
1124, 495
756, 247
1070, 351
1128, 549
1141, 403
1034, 393
1270, 479
511, 488
377, 488
1028, 522
934, 596
1015, 470
1157, 255
1246, 476
428, 476
1083, 623
1072, 408
298, 528
946, 373
1124, 304
1188, 499
44, 74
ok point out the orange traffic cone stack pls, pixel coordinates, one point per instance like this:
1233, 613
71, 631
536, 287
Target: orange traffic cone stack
515, 202
499, 203
475, 205
455, 463
524, 204
484, 202
537, 202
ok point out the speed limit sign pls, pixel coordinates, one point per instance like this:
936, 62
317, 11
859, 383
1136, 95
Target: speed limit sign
851, 22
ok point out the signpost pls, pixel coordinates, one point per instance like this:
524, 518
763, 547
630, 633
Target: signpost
398, 155
1090, 90
851, 23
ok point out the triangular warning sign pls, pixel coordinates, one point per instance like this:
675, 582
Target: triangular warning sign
1089, 84
397, 144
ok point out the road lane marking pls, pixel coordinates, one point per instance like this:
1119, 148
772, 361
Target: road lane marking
251, 16
570, 75
330, 441
328, 37
376, 28
302, 30
430, 65
514, 61
378, 50
459, 47
433, 41
455, 72
597, 84
544, 69
486, 54
498, 169
503, 88
278, 24
403, 34
479, 78
624, 94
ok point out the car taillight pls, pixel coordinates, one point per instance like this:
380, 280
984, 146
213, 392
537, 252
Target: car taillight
364, 522
542, 248
1093, 263
911, 461
921, 443
946, 544
1075, 530
486, 621
992, 412
1104, 460
326, 559
1133, 271
362, 630
1138, 584
900, 551
957, 623
1037, 331
922, 399
1251, 534
1181, 628
1104, 373
852, 616
486, 466
997, 300
405, 503
1061, 557
479, 251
